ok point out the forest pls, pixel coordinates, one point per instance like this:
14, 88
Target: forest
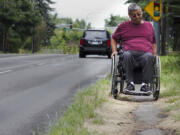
28, 26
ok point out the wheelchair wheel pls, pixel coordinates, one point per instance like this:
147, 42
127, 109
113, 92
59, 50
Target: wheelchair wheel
121, 85
156, 80
114, 72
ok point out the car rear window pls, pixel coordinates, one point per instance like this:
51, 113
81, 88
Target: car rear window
95, 35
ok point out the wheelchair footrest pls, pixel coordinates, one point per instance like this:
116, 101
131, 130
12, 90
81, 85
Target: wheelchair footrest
136, 93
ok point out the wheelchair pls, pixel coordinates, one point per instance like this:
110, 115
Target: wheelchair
118, 77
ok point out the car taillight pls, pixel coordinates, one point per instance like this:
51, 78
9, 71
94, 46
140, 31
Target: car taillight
108, 43
81, 42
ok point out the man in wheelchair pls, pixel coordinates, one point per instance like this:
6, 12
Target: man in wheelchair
138, 45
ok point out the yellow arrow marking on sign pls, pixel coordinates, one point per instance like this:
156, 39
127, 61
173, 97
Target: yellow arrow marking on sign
150, 10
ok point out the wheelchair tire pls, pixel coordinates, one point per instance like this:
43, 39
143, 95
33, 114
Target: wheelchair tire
82, 55
156, 84
156, 95
114, 71
121, 85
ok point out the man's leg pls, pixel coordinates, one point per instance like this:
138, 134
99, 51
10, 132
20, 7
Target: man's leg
147, 64
146, 61
128, 65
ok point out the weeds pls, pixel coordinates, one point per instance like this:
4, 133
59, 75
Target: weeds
170, 78
86, 101
170, 81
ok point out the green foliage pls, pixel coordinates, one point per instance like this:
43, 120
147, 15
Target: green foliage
98, 120
18, 18
63, 20
81, 23
177, 116
21, 21
67, 42
114, 20
173, 7
173, 100
170, 75
171, 107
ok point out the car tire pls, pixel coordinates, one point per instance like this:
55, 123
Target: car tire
81, 55
109, 56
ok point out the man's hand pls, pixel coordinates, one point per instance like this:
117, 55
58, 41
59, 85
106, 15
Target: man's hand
154, 53
115, 52
114, 47
154, 49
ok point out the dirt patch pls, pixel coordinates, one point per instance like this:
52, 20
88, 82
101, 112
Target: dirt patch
119, 119
168, 122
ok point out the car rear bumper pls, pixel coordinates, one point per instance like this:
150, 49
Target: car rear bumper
95, 50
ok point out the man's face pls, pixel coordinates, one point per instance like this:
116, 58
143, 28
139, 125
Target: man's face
136, 16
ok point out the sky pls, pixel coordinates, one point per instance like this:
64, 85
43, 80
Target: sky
93, 11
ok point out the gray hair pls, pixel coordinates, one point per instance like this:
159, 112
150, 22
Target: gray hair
133, 7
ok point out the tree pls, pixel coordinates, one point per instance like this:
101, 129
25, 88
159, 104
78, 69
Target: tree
81, 23
114, 20
44, 7
16, 15
20, 19
173, 17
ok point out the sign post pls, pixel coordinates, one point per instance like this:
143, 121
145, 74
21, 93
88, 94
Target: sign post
154, 8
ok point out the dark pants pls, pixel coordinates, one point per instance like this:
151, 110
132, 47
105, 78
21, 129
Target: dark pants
143, 59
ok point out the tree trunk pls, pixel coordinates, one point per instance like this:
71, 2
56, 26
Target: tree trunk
163, 38
176, 46
4, 47
33, 40
163, 30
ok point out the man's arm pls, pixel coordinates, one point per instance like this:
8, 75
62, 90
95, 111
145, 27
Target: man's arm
114, 47
154, 49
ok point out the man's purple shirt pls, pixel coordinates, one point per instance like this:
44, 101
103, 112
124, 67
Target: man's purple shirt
135, 37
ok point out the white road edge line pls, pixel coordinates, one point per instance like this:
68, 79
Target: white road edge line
5, 71
40, 64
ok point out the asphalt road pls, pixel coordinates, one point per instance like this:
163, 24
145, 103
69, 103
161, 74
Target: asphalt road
36, 89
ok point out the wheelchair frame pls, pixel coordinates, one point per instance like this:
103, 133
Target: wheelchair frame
118, 77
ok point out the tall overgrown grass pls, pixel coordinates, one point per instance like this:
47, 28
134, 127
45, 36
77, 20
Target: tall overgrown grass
170, 79
82, 108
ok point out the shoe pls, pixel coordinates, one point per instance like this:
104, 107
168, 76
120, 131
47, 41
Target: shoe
145, 88
130, 87
114, 92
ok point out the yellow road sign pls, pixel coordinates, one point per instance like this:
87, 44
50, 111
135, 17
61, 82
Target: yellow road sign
153, 8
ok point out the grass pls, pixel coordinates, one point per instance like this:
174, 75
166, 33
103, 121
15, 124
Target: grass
98, 120
171, 107
87, 100
172, 100
63, 49
170, 78
177, 117
170, 81
82, 108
